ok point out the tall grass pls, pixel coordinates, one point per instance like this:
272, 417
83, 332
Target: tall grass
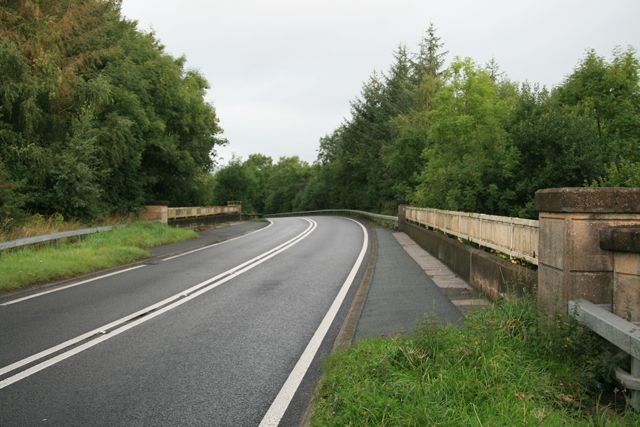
29, 266
500, 369
37, 225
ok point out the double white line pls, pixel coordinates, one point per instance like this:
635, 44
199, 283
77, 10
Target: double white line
110, 330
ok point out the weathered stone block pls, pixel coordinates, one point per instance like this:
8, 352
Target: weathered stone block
552, 237
495, 277
627, 264
584, 246
588, 199
621, 238
156, 213
626, 297
550, 290
594, 287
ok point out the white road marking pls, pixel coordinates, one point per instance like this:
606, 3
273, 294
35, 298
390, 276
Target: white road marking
93, 279
160, 307
283, 399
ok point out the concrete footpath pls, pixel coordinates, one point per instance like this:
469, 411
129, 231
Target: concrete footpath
410, 285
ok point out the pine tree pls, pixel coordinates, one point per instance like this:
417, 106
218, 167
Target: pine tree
431, 57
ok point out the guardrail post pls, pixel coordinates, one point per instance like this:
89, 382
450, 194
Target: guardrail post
571, 263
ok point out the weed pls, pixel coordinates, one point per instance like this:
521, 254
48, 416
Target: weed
503, 367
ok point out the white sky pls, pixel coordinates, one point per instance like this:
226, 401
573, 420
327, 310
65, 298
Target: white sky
282, 72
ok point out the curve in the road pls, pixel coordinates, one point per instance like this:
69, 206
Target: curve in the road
225, 358
281, 402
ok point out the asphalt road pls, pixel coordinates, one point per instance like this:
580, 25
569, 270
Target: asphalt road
231, 334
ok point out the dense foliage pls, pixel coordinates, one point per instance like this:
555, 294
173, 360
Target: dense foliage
94, 116
463, 137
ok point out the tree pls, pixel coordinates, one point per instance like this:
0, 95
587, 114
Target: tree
431, 58
609, 93
150, 135
558, 146
76, 191
234, 182
469, 158
287, 179
259, 168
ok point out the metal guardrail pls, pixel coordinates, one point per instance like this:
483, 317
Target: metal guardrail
26, 241
339, 211
624, 335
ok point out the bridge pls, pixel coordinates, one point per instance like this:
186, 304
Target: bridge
581, 257
242, 321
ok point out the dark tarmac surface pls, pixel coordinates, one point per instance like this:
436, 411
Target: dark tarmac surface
401, 294
221, 358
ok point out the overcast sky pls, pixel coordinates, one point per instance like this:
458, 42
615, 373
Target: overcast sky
282, 72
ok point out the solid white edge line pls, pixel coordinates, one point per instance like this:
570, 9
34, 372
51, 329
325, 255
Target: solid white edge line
212, 283
61, 288
283, 399
218, 243
93, 279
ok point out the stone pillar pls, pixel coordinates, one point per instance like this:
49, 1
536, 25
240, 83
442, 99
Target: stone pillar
571, 263
402, 216
156, 211
624, 242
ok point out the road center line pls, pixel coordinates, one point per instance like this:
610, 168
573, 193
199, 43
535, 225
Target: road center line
118, 326
283, 399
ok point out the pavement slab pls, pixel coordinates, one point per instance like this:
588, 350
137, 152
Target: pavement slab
463, 296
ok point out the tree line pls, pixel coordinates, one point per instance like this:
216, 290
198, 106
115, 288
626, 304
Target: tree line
461, 137
95, 117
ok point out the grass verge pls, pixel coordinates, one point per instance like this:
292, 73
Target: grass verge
29, 266
37, 225
500, 369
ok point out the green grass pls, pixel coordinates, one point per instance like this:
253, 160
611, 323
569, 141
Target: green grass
29, 266
500, 369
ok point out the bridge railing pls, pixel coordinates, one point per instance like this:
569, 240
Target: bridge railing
516, 237
196, 211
